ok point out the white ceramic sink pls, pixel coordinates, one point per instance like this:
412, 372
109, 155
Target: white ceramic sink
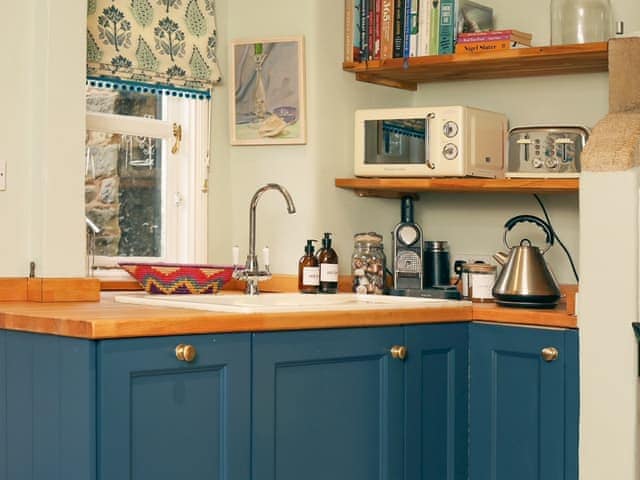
283, 302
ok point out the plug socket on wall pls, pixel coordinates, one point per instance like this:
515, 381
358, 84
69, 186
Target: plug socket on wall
461, 258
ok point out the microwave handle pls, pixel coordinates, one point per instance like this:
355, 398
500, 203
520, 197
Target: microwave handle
430, 116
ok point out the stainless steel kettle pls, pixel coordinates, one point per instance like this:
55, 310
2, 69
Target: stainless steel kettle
525, 279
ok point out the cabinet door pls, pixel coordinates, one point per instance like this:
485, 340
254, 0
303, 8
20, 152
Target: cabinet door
327, 404
160, 418
436, 402
523, 409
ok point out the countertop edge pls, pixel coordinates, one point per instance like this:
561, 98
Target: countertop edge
108, 320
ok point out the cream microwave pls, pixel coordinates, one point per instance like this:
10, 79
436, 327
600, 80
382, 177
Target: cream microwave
450, 141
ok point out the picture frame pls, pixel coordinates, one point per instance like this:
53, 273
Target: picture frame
267, 94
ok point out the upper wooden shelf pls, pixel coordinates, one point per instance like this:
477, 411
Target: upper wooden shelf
396, 187
519, 62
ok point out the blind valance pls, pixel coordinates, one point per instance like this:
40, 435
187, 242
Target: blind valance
158, 46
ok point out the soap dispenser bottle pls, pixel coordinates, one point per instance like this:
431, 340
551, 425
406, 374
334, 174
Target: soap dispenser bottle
308, 270
328, 262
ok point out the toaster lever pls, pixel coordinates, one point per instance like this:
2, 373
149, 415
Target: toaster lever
525, 142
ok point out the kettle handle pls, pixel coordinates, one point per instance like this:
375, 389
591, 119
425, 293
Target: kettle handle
512, 222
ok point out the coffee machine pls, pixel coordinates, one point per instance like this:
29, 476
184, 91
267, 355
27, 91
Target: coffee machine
407, 250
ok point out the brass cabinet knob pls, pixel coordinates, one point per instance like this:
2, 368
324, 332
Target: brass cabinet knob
549, 354
399, 352
186, 353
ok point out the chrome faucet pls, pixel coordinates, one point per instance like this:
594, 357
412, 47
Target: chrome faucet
251, 272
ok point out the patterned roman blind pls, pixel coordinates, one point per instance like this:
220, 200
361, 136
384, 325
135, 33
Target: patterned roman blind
158, 46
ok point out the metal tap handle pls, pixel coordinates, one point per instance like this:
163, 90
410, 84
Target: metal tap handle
235, 253
265, 258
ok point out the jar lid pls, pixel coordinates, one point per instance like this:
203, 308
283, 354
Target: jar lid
479, 268
371, 238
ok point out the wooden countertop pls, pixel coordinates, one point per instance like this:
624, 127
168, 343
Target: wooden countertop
108, 319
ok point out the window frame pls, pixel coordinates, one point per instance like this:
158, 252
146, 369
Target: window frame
184, 179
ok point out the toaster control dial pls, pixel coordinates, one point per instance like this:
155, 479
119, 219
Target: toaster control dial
551, 162
450, 151
450, 129
537, 163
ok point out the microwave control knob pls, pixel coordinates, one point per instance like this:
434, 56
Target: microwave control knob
450, 129
551, 162
537, 163
450, 151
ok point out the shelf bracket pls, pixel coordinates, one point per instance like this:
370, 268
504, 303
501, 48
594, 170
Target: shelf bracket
386, 82
385, 194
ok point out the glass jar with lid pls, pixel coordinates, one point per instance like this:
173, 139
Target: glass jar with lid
580, 21
477, 281
368, 263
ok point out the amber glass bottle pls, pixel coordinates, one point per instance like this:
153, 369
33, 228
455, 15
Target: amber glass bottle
308, 270
328, 262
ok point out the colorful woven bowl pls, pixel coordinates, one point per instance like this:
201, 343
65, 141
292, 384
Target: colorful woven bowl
170, 278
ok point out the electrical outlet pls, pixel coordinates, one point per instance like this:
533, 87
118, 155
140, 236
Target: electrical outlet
470, 258
3, 175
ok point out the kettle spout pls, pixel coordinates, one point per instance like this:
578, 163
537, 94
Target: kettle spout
500, 257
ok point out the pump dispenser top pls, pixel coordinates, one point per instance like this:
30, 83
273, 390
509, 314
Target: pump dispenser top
308, 270
328, 261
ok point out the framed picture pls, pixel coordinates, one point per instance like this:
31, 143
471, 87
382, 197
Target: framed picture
267, 98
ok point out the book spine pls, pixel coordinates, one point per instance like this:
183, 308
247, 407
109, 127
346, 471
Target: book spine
424, 13
490, 46
434, 27
377, 36
413, 32
357, 33
348, 30
447, 30
371, 29
481, 37
398, 28
364, 30
386, 30
406, 40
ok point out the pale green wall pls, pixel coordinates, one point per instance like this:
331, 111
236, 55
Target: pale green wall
42, 138
471, 222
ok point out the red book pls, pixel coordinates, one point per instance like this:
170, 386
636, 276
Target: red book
493, 35
377, 29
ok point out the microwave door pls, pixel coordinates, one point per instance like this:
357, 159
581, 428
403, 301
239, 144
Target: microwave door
395, 141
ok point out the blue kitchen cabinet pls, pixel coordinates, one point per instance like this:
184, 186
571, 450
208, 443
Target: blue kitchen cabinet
47, 407
126, 409
523, 403
160, 418
436, 394
340, 404
328, 404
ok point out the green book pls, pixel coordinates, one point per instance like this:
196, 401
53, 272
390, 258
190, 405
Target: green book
434, 28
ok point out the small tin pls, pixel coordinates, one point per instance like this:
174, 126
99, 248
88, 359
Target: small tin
477, 281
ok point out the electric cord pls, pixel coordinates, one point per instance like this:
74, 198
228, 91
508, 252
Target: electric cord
566, 250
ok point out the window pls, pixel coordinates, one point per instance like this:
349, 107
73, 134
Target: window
145, 199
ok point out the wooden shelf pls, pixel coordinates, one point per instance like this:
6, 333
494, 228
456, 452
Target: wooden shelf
520, 62
396, 187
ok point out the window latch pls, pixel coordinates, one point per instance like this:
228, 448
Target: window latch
177, 135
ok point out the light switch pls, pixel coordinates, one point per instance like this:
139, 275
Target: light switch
3, 175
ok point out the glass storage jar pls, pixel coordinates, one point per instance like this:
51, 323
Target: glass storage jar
580, 21
477, 281
368, 263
